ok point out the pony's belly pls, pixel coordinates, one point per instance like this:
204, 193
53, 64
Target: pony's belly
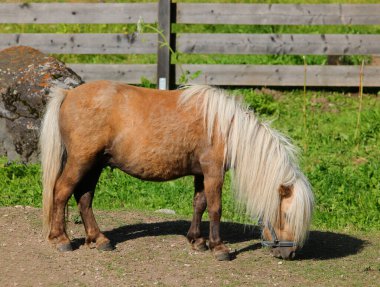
154, 173
157, 168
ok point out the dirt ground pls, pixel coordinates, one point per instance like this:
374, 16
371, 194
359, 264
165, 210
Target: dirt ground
151, 250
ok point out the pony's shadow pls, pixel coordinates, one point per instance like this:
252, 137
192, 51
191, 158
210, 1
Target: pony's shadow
324, 245
321, 245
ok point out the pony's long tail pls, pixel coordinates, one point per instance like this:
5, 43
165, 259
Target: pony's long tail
52, 150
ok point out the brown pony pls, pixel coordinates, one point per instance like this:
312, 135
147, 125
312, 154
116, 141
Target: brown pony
162, 135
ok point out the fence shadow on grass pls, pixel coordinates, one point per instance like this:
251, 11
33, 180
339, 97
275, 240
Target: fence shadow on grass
321, 245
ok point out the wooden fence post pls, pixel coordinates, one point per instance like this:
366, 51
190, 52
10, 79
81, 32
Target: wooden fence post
165, 70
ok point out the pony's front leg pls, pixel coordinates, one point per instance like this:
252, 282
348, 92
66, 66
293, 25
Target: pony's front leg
84, 194
213, 192
199, 204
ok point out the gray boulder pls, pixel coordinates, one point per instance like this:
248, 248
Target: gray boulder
26, 76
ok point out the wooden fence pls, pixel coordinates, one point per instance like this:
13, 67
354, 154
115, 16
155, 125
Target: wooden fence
166, 13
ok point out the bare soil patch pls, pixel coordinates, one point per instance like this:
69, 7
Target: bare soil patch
151, 250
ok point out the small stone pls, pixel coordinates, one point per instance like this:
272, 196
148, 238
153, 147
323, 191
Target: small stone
166, 211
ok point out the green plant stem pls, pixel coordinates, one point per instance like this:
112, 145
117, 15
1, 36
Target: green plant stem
304, 107
165, 43
357, 129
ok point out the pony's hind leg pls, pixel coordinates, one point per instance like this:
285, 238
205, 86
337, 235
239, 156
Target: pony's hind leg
64, 188
84, 194
199, 204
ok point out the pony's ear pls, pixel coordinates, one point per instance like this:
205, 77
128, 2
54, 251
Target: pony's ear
285, 191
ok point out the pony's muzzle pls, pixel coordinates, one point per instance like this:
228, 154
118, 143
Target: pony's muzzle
286, 253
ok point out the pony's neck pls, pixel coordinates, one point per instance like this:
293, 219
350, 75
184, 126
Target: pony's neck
261, 160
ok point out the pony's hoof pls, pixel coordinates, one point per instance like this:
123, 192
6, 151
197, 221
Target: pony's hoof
106, 246
222, 253
64, 247
199, 245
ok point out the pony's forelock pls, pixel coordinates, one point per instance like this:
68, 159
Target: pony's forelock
261, 158
300, 212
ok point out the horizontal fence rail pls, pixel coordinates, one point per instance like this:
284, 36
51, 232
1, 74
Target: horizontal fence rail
78, 13
279, 44
84, 43
116, 72
282, 75
166, 13
279, 14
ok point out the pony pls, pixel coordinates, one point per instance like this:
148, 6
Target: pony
161, 135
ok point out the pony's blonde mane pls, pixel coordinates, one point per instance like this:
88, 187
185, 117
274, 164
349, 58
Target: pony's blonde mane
261, 158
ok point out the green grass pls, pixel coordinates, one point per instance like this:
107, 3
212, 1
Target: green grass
19, 184
345, 178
